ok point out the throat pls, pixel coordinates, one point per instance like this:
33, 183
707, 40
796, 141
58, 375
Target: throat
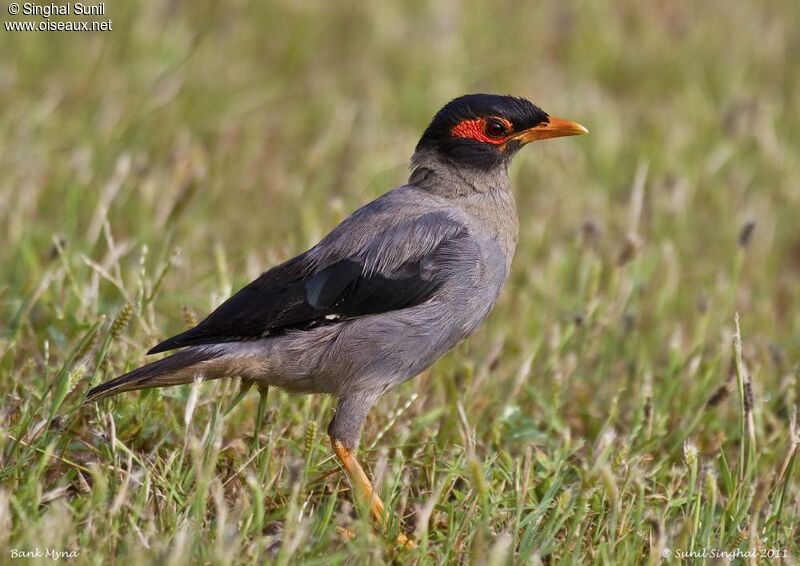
485, 196
431, 173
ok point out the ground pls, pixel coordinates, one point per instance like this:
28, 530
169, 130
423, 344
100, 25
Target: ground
607, 412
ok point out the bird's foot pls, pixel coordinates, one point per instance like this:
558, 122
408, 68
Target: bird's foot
401, 541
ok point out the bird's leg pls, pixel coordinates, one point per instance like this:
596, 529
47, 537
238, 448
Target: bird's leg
359, 481
344, 432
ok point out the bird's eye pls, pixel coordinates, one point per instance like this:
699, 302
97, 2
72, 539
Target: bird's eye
495, 128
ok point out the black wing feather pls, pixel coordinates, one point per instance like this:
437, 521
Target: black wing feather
293, 296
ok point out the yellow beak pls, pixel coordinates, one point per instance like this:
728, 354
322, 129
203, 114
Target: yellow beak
552, 128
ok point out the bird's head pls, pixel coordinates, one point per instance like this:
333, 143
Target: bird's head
485, 130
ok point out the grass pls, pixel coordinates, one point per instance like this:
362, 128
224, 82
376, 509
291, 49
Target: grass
632, 395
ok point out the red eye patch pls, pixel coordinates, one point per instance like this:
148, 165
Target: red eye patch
476, 130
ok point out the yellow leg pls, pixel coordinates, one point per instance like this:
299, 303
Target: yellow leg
363, 488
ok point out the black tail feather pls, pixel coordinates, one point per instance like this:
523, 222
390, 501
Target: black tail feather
170, 343
173, 370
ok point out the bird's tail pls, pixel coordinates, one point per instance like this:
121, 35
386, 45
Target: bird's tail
210, 362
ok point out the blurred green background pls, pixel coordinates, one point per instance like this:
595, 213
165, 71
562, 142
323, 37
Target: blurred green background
167, 162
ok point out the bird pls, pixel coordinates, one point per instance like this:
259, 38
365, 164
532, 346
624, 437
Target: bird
390, 290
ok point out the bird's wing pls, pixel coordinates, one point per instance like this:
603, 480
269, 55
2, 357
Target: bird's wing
371, 263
